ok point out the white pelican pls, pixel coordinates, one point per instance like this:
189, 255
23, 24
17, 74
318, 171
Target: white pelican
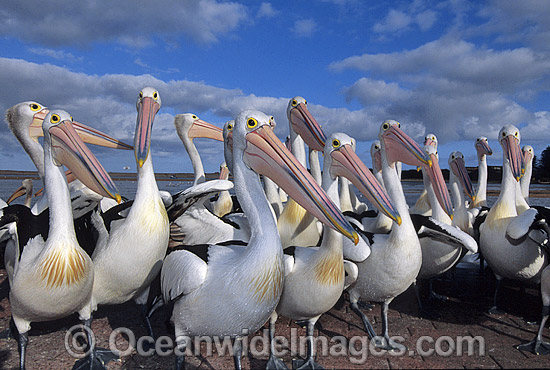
483, 150
502, 242
296, 226
314, 277
189, 127
528, 155
129, 256
52, 278
235, 289
396, 257
25, 189
460, 183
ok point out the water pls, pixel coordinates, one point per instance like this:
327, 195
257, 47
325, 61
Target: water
412, 190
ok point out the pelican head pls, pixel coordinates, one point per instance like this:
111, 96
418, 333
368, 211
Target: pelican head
265, 154
304, 124
528, 154
344, 162
228, 143
147, 105
458, 168
482, 147
67, 148
431, 139
509, 138
400, 147
190, 125
376, 156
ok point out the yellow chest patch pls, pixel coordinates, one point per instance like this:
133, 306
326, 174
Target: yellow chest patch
329, 270
153, 218
268, 284
293, 213
500, 214
63, 266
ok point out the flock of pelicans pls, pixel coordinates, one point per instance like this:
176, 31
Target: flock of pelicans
288, 244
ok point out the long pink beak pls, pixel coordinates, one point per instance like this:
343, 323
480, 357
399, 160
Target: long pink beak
268, 156
203, 129
305, 125
346, 163
510, 144
147, 109
438, 184
69, 149
459, 169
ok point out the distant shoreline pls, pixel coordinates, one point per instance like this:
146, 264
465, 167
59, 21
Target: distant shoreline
116, 176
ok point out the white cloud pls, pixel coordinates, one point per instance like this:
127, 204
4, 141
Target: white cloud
395, 21
266, 10
426, 19
56, 54
304, 27
66, 22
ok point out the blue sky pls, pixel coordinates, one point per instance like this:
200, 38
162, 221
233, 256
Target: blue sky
457, 69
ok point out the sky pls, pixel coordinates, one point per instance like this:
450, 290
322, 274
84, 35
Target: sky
455, 68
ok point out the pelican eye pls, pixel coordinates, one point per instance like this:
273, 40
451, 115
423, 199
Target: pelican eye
385, 126
305, 102
71, 118
503, 134
194, 117
141, 94
398, 125
35, 107
335, 143
516, 134
251, 122
155, 95
294, 103
376, 147
230, 127
55, 118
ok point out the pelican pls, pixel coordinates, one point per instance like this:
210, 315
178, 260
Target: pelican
296, 226
460, 183
483, 150
129, 256
25, 189
502, 242
314, 277
52, 278
189, 127
396, 257
528, 155
234, 291
422, 205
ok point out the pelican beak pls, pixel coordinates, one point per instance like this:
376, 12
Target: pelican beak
16, 194
203, 129
438, 184
35, 128
459, 169
92, 136
268, 156
87, 134
305, 125
147, 109
69, 149
515, 157
401, 148
347, 164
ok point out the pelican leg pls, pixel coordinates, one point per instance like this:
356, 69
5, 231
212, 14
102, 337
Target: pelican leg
273, 363
22, 341
366, 323
494, 310
537, 345
182, 350
389, 344
98, 357
237, 353
436, 296
309, 362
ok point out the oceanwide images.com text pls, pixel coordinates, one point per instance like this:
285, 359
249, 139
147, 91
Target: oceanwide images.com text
124, 342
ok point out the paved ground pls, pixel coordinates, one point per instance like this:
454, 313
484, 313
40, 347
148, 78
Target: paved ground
464, 314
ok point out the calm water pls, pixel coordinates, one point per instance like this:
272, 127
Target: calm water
412, 190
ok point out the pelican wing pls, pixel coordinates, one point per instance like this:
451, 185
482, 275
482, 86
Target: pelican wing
198, 193
519, 226
182, 273
427, 227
